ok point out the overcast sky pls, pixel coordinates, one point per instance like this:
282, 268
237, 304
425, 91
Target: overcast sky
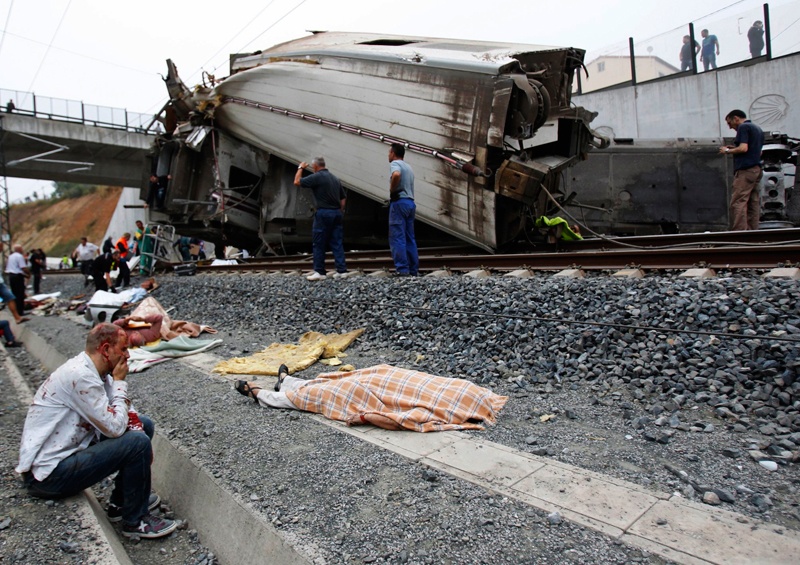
110, 53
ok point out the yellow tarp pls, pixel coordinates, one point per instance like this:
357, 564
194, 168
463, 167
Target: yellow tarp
311, 347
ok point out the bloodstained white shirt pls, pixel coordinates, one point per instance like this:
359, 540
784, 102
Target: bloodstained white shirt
74, 406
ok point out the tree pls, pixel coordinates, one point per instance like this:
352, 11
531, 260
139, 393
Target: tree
71, 189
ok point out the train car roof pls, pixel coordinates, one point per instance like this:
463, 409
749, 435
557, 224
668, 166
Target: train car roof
459, 54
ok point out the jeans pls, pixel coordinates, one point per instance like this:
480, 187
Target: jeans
709, 61
6, 294
5, 327
401, 236
129, 455
328, 231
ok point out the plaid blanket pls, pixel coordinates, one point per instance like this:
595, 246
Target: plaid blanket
395, 398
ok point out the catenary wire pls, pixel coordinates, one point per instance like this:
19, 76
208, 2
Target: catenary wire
77, 54
5, 26
49, 45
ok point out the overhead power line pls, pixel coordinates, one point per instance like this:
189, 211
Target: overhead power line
52, 39
77, 54
5, 27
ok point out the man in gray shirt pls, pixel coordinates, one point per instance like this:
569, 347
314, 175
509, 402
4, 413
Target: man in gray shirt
328, 230
402, 212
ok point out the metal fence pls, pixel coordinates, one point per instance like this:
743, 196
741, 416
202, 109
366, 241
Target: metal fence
725, 38
59, 109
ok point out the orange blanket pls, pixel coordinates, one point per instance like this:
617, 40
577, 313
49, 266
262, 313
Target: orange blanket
394, 399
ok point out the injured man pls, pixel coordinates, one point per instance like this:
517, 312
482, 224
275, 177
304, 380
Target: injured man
384, 396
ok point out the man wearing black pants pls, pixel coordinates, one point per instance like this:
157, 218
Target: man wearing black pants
17, 271
102, 267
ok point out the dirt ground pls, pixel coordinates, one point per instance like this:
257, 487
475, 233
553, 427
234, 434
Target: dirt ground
57, 226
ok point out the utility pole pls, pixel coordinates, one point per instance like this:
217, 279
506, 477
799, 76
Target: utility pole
5, 222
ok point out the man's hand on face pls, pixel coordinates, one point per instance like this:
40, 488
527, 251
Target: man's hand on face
120, 370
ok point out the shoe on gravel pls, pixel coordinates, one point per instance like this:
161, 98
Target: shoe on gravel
150, 527
315, 276
114, 512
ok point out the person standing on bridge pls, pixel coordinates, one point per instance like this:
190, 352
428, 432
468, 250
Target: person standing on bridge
755, 36
745, 208
402, 211
328, 230
688, 52
710, 51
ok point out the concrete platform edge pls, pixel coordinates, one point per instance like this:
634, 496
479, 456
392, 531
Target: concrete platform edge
235, 533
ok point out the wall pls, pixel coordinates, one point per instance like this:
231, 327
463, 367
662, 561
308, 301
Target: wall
696, 105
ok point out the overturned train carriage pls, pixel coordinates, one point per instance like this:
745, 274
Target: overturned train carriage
488, 129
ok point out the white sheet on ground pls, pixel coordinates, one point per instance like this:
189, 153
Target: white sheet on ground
43, 297
143, 357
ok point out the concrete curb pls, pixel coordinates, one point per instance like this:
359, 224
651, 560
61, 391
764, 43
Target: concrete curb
235, 533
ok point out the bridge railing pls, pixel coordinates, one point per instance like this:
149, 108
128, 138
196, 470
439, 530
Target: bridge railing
672, 53
59, 109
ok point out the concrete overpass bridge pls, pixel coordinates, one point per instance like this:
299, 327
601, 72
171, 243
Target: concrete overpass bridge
63, 140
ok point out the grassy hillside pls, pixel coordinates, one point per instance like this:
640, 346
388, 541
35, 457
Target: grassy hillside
57, 226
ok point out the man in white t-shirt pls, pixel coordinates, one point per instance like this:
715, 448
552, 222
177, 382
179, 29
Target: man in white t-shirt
17, 271
85, 254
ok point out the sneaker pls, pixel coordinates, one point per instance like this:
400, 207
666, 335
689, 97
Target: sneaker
114, 512
315, 276
339, 275
150, 527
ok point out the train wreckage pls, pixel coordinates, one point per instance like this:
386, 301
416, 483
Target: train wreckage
489, 128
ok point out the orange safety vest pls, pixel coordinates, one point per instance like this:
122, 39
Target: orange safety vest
123, 250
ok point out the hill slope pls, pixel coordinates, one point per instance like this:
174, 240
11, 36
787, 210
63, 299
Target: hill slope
57, 226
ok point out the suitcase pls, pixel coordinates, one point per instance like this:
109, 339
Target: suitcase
186, 269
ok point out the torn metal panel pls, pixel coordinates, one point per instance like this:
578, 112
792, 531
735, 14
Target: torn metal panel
463, 109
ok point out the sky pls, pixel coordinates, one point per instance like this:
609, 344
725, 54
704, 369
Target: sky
112, 53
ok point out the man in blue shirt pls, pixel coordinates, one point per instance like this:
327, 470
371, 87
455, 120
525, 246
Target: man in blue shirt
745, 208
402, 211
328, 230
710, 50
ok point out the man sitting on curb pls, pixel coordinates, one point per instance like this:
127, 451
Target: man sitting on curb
81, 428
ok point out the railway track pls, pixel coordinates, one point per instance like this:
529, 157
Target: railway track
765, 249
720, 250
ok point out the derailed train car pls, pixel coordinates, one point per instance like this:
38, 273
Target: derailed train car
488, 128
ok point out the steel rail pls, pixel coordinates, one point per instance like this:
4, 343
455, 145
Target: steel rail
750, 257
750, 237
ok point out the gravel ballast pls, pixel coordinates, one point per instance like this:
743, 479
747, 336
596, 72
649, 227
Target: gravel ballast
694, 414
